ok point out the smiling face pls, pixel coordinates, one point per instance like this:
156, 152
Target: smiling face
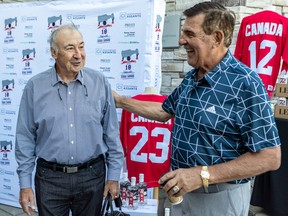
71, 56
199, 46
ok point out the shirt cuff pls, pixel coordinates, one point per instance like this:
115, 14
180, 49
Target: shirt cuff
26, 182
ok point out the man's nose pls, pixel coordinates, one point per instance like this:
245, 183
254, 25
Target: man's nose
182, 40
77, 53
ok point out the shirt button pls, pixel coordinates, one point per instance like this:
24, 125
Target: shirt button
69, 93
72, 142
71, 125
70, 108
72, 158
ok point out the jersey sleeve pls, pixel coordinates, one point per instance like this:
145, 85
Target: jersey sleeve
285, 43
239, 43
123, 130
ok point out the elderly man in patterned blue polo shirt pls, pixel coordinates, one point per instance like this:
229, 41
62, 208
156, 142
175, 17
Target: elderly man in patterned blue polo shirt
224, 131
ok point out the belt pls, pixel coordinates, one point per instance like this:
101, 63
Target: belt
215, 188
68, 168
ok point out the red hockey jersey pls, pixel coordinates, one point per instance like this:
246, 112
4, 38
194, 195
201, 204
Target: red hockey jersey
261, 43
146, 143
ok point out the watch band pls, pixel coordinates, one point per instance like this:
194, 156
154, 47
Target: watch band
205, 176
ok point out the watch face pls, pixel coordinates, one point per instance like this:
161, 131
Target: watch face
205, 174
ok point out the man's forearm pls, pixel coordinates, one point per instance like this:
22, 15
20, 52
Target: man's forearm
247, 165
146, 109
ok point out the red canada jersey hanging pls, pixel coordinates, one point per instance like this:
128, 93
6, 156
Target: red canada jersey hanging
261, 43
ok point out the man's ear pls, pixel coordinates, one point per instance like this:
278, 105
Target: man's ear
53, 53
218, 37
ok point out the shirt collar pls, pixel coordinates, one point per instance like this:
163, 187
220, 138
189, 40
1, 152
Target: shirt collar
214, 75
55, 78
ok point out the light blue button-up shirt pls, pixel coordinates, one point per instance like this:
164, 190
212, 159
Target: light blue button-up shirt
67, 123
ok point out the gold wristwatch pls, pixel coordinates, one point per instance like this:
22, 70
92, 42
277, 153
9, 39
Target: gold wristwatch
205, 176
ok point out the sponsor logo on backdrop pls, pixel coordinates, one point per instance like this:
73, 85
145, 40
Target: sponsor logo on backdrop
71, 17
122, 87
124, 15
119, 87
30, 27
105, 22
129, 33
100, 51
106, 61
6, 172
28, 55
128, 57
22, 81
105, 69
5, 150
7, 120
130, 87
8, 194
7, 112
54, 22
29, 19
9, 50
129, 25
129, 42
6, 180
9, 58
9, 25
7, 128
9, 66
7, 187
7, 87
29, 35
157, 45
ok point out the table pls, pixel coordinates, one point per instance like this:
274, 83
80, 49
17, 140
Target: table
148, 210
270, 189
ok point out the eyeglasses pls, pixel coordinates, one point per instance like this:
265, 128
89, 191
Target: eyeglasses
58, 89
58, 86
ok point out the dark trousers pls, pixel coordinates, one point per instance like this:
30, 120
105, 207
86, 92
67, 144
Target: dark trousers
82, 192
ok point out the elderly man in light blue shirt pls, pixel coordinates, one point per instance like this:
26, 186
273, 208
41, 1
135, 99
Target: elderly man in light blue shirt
68, 122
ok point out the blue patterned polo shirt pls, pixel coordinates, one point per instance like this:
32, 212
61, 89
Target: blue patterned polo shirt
220, 116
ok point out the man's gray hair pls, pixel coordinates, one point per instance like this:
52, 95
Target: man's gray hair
53, 35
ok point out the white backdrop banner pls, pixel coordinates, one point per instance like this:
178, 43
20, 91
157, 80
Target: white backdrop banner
123, 40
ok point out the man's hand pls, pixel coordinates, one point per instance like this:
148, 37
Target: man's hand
117, 99
112, 187
186, 180
26, 200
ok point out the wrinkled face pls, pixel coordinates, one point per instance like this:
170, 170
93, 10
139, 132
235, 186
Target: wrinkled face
198, 45
71, 54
